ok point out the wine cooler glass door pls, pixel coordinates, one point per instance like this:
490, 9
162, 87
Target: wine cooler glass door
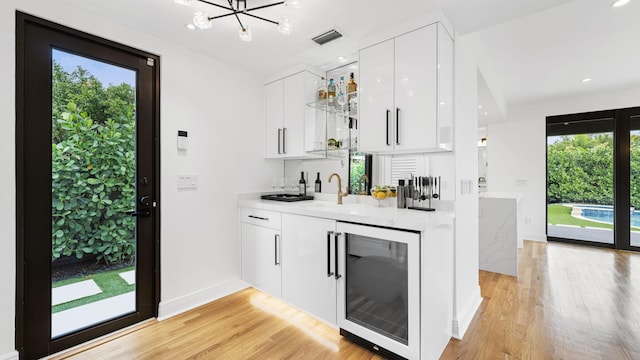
379, 291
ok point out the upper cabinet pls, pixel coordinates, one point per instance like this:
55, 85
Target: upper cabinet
406, 93
285, 112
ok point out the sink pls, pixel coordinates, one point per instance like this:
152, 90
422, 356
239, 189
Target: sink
286, 197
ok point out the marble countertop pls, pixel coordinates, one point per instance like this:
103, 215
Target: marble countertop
358, 209
500, 195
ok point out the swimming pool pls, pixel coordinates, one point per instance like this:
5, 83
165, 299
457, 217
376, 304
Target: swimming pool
604, 213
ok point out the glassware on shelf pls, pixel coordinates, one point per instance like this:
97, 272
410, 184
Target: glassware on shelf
331, 92
342, 99
322, 90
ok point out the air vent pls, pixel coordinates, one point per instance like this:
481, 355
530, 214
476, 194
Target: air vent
326, 37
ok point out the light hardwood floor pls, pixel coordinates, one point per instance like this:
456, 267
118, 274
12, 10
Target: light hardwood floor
569, 302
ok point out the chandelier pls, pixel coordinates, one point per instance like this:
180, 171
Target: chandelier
202, 20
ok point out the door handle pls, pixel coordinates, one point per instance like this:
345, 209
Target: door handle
337, 276
279, 141
142, 212
329, 273
275, 251
397, 126
284, 140
388, 112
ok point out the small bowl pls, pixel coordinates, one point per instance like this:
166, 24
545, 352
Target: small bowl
379, 194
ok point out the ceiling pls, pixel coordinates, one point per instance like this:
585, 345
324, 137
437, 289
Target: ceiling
540, 48
547, 54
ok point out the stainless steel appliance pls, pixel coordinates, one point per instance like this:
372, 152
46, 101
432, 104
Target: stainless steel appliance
379, 289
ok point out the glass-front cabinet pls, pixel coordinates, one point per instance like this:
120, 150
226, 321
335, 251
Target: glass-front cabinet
332, 130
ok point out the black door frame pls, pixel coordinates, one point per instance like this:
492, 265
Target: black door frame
620, 125
33, 271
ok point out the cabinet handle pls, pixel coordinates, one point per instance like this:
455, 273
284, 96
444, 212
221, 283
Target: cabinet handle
275, 249
279, 143
329, 273
337, 276
284, 140
388, 112
397, 126
258, 217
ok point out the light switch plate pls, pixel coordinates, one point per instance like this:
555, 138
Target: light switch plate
187, 181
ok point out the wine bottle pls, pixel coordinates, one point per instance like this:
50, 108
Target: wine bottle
302, 185
318, 187
352, 86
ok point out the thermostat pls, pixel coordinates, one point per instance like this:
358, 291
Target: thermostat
183, 144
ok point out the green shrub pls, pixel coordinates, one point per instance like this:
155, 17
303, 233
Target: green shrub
93, 185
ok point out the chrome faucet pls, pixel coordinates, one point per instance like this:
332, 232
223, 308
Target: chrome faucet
362, 190
340, 193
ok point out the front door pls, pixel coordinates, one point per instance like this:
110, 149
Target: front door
87, 193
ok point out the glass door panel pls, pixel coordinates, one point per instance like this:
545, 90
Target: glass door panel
93, 183
634, 198
376, 294
580, 195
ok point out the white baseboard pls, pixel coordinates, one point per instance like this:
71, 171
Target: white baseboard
463, 318
10, 356
174, 307
535, 237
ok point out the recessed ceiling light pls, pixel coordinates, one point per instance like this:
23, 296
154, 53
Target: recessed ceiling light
342, 59
479, 106
586, 79
619, 3
486, 113
190, 26
443, 103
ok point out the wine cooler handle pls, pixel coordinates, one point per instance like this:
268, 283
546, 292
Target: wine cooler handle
336, 236
329, 273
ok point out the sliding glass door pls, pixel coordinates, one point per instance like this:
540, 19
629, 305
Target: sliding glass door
593, 178
634, 178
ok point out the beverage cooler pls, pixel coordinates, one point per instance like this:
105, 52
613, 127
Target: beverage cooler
379, 288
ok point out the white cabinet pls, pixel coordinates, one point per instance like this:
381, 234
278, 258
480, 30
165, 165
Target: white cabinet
261, 250
285, 112
406, 93
308, 252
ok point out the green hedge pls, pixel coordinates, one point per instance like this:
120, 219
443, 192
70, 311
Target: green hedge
93, 169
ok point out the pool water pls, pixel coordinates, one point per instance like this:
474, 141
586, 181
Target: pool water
605, 214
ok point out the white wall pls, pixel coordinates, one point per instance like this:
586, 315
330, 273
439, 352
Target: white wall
467, 290
199, 236
517, 149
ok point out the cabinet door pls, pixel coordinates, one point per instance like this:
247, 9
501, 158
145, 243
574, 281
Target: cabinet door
307, 260
445, 89
376, 97
261, 258
294, 111
274, 109
416, 89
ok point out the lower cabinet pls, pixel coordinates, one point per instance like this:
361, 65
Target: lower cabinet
261, 256
308, 253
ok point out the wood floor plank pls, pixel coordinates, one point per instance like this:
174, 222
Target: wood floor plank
568, 302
